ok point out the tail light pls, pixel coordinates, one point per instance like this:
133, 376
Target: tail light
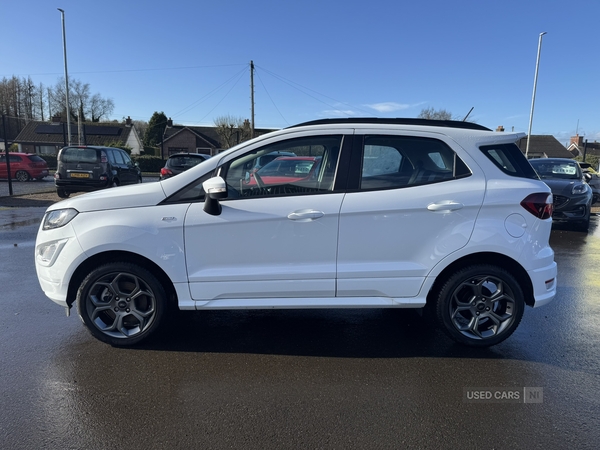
165, 172
540, 205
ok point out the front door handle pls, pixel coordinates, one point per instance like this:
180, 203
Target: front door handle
445, 206
305, 215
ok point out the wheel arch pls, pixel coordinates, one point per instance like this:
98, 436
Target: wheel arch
120, 256
510, 265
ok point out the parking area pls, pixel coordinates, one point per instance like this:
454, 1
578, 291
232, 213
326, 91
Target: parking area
299, 379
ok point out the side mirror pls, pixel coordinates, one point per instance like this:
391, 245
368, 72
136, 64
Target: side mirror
587, 176
215, 189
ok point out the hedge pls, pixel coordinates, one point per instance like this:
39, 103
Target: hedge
149, 163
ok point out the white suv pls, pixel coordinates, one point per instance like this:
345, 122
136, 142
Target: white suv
399, 213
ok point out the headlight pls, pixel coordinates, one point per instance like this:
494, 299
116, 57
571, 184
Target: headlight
58, 218
580, 188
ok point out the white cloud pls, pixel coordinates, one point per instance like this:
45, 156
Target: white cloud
387, 107
338, 113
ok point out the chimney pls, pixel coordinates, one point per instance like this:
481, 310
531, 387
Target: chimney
577, 140
56, 118
128, 121
170, 122
500, 128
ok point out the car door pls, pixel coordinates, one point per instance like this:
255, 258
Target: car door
120, 166
275, 241
3, 169
129, 169
414, 202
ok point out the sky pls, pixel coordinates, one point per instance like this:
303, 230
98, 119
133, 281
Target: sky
320, 58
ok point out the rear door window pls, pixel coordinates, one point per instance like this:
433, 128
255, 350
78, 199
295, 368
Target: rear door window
391, 162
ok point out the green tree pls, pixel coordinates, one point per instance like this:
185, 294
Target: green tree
156, 127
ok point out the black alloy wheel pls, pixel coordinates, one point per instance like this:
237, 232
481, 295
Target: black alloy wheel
480, 305
121, 303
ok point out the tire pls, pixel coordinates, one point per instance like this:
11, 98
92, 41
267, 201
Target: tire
22, 175
480, 305
585, 225
121, 303
62, 193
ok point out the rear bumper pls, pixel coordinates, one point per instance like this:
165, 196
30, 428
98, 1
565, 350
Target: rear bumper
81, 186
544, 284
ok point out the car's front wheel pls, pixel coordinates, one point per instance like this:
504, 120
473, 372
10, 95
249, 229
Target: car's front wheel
121, 303
480, 305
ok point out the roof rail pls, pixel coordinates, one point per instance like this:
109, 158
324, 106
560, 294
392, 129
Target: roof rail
397, 121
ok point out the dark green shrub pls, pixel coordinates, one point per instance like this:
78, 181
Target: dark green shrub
50, 160
149, 163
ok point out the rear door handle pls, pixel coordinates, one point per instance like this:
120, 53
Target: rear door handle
305, 215
445, 206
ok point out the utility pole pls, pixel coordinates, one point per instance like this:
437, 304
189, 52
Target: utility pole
10, 187
251, 99
62, 13
537, 65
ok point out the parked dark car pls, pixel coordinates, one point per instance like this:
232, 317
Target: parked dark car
593, 179
23, 166
89, 168
180, 162
572, 195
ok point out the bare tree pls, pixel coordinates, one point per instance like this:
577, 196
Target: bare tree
93, 107
432, 114
232, 130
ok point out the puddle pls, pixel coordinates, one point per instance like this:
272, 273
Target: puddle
20, 223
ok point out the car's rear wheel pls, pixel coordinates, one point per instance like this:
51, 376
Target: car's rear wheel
480, 305
62, 193
121, 303
22, 175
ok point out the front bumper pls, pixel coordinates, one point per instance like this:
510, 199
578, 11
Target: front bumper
571, 209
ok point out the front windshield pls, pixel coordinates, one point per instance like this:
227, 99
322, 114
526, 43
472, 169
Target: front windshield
556, 169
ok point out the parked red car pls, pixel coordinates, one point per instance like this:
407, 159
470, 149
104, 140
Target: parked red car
286, 169
23, 166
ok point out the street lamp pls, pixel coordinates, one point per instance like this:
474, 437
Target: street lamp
62, 13
537, 65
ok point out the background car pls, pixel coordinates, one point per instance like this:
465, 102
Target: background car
23, 166
593, 179
180, 162
89, 168
286, 169
572, 195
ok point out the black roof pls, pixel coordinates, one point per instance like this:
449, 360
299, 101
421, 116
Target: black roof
397, 121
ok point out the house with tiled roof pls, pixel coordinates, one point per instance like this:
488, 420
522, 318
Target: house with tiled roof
578, 146
49, 137
544, 146
196, 139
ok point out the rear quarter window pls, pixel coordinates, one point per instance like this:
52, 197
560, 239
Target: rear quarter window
509, 159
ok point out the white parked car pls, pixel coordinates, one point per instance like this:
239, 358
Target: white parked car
402, 213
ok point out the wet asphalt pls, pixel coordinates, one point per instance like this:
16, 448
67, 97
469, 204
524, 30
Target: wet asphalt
297, 379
